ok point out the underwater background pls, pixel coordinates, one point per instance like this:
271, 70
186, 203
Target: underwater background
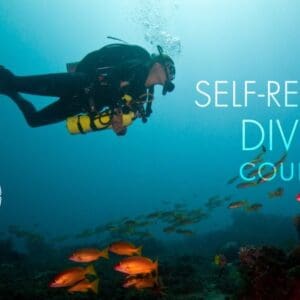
58, 188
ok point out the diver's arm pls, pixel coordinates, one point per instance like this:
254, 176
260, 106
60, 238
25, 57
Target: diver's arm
120, 80
89, 63
131, 76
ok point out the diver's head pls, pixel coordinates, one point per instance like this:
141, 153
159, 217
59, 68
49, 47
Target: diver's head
164, 68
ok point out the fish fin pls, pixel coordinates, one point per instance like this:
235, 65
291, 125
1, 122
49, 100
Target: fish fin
104, 253
139, 251
90, 270
95, 286
156, 266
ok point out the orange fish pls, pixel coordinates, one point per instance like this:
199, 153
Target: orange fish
253, 163
246, 184
281, 160
237, 204
125, 248
277, 193
256, 171
88, 255
233, 179
265, 177
186, 232
84, 286
136, 265
71, 276
140, 283
254, 207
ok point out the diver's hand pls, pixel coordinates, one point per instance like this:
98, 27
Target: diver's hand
122, 132
117, 123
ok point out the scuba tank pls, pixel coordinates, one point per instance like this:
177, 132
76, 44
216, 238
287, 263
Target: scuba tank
87, 123
98, 121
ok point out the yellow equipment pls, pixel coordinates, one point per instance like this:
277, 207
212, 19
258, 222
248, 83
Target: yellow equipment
84, 123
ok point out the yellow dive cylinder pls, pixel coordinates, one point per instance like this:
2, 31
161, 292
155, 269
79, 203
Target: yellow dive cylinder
84, 123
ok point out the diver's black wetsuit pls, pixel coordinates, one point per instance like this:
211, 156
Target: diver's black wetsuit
91, 80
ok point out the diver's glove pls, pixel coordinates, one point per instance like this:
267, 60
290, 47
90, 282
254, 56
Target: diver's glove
6, 81
117, 122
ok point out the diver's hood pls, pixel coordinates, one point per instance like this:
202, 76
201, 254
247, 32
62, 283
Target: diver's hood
169, 67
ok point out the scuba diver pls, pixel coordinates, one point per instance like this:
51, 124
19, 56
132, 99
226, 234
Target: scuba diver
108, 88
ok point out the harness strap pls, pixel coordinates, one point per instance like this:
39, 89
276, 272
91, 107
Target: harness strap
149, 101
92, 122
79, 125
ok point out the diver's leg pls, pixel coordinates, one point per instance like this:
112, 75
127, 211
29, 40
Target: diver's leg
53, 113
6, 80
57, 85
60, 84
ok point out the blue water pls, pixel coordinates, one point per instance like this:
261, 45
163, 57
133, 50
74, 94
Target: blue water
66, 183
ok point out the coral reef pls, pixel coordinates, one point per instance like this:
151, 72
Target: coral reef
267, 273
8, 254
186, 266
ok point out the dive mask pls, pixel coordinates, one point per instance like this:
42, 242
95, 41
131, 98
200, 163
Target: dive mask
169, 67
